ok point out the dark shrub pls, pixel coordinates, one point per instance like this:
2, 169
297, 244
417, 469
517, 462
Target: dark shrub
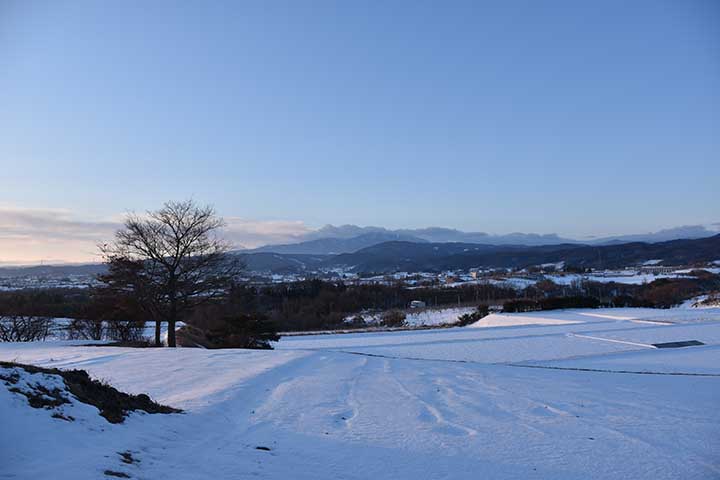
86, 329
520, 306
555, 303
24, 328
125, 331
469, 318
228, 331
393, 318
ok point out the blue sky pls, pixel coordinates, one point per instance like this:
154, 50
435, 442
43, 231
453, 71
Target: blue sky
575, 117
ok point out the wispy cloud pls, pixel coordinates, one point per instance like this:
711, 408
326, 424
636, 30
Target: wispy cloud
50, 224
53, 235
254, 233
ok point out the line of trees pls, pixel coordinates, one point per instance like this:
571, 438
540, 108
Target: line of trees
316, 304
319, 305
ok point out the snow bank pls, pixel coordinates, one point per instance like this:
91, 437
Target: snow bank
505, 320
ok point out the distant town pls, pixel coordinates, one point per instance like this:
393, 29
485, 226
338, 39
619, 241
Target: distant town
519, 278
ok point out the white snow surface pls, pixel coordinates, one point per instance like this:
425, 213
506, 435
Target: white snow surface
504, 399
443, 316
630, 279
422, 317
654, 261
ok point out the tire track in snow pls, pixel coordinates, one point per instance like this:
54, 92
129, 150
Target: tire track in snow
601, 370
519, 365
436, 414
352, 400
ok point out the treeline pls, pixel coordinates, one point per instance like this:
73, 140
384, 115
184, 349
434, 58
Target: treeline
55, 303
317, 304
552, 303
661, 293
306, 305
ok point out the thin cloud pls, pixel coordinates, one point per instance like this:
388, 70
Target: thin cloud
32, 235
253, 233
50, 224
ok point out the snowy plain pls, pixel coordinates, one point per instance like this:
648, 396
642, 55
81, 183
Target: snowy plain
562, 394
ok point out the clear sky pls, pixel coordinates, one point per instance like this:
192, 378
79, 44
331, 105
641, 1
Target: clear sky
574, 117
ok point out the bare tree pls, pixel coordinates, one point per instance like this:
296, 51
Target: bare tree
170, 261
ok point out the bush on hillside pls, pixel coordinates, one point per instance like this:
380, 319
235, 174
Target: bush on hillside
551, 303
472, 317
555, 303
210, 330
24, 328
393, 318
514, 306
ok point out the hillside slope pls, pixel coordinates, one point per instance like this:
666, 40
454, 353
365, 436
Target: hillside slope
405, 256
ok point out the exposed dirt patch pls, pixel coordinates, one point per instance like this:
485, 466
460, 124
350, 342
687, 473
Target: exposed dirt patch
127, 457
61, 416
40, 396
10, 379
114, 405
112, 473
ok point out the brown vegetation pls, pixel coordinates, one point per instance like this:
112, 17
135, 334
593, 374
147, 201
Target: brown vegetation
114, 405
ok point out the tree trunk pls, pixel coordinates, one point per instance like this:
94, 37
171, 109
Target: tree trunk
172, 318
171, 333
157, 332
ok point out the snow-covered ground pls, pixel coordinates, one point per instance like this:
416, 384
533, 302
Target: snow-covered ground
563, 394
631, 278
442, 316
422, 317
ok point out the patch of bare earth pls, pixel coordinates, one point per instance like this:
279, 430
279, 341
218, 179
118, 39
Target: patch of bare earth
113, 404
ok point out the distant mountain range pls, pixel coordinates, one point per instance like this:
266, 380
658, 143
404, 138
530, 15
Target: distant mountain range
336, 245
52, 270
418, 254
414, 257
332, 240
677, 233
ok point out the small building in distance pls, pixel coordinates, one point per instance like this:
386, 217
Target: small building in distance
417, 304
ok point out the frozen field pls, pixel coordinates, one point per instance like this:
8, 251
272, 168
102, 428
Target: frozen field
566, 394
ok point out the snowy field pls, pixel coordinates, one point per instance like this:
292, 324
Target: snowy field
421, 317
620, 276
563, 394
634, 278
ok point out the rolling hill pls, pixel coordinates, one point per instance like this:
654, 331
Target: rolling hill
406, 256
337, 245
